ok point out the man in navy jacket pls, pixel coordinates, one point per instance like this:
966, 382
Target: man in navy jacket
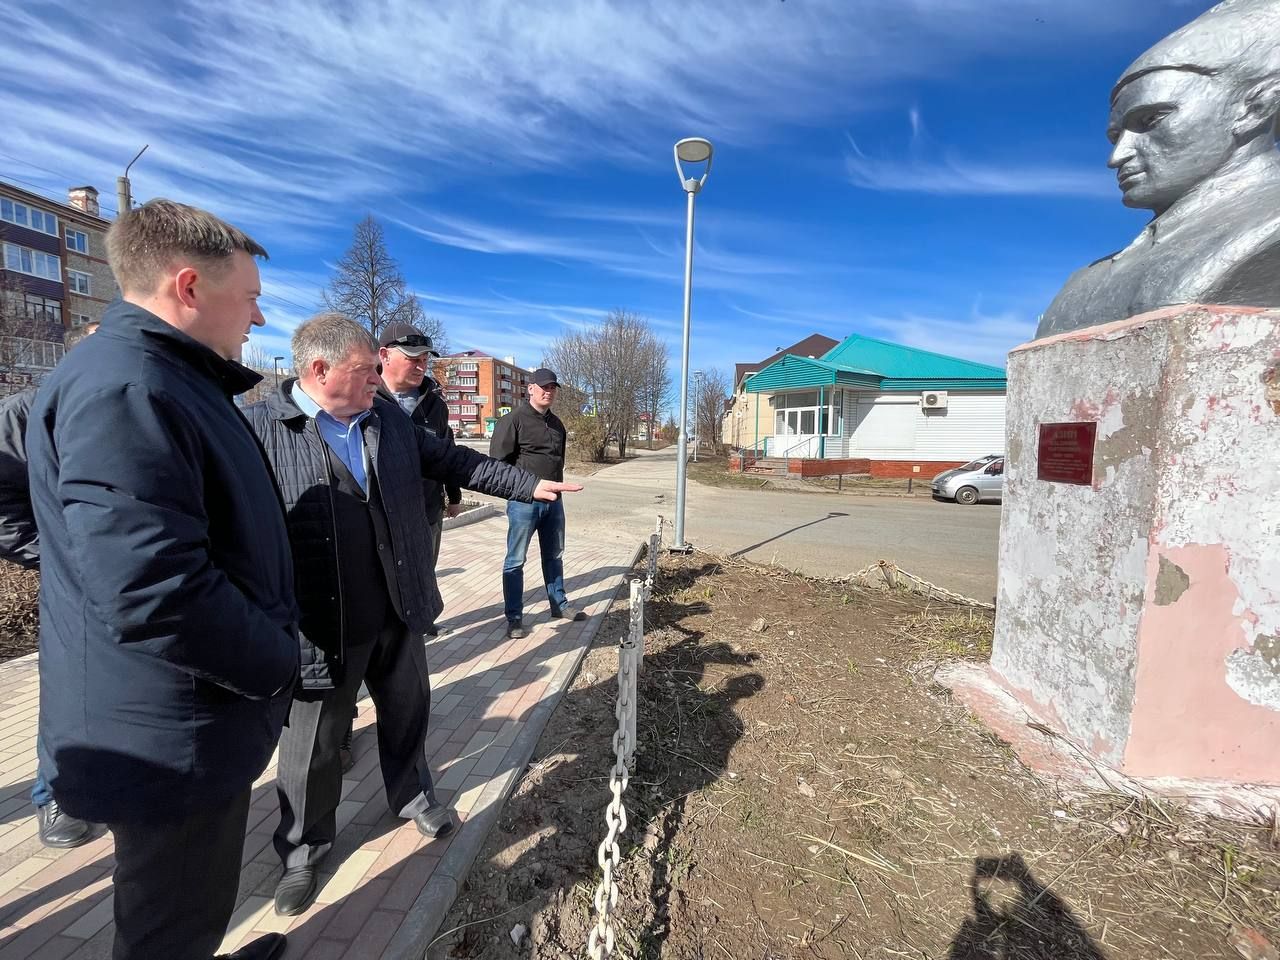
168, 647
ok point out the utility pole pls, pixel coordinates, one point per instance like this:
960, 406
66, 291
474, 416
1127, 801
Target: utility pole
124, 195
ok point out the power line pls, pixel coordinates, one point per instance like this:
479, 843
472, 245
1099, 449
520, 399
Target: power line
44, 191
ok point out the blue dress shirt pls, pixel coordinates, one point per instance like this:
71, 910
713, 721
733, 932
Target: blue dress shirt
344, 439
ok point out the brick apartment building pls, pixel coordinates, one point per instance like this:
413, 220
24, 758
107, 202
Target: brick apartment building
53, 276
479, 389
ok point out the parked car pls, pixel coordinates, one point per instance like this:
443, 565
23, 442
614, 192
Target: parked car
981, 479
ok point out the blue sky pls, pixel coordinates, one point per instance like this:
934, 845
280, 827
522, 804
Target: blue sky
926, 171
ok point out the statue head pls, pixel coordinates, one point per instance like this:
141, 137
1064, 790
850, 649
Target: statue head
1197, 104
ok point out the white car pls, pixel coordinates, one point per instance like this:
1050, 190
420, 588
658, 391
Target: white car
981, 479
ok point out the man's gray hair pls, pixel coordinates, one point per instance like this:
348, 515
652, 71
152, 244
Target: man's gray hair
331, 337
145, 242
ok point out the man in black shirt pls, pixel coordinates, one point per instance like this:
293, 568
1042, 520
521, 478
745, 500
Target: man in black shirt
533, 437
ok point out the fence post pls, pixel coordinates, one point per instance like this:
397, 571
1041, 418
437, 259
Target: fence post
633, 651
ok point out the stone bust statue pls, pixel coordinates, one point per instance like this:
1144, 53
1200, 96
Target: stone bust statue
1194, 124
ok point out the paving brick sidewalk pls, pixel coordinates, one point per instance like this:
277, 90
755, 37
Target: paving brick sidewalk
386, 888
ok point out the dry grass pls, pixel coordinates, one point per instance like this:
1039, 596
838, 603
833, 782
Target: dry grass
802, 790
19, 611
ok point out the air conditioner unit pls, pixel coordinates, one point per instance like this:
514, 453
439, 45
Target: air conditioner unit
934, 399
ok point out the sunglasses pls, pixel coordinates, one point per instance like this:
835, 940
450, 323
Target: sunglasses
415, 340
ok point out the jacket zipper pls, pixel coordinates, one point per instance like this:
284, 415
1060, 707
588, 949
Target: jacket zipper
337, 570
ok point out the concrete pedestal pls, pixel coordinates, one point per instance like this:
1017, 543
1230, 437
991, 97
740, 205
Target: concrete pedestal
1139, 612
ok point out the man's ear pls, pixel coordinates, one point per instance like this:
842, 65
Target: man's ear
1258, 113
184, 286
318, 369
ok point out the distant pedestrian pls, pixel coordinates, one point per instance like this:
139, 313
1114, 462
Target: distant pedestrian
168, 653
351, 467
533, 437
20, 544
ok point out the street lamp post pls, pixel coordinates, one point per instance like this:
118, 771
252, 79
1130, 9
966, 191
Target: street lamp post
689, 150
275, 369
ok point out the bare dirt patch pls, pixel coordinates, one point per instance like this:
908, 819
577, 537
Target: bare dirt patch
19, 611
587, 468
804, 789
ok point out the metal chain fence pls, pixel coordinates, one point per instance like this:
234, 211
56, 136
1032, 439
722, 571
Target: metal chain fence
630, 664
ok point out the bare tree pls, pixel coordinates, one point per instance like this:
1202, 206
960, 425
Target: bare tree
612, 366
30, 342
710, 391
256, 359
656, 388
369, 287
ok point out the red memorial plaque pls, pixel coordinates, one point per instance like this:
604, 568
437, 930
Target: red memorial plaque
1066, 452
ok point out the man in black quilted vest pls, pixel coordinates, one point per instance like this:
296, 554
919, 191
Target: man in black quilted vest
351, 467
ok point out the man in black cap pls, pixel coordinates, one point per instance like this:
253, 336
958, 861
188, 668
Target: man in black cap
406, 352
533, 437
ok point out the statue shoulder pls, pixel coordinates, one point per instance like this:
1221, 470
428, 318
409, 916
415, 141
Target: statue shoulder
1253, 280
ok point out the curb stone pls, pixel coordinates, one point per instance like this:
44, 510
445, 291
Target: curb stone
427, 914
482, 512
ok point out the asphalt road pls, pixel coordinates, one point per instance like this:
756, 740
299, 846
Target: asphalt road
821, 534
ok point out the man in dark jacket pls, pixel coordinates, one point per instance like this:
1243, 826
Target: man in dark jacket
531, 436
20, 544
168, 648
405, 352
351, 466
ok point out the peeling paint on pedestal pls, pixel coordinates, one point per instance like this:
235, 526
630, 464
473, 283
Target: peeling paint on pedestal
1143, 611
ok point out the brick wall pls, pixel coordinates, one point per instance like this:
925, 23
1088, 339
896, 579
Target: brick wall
902, 469
827, 468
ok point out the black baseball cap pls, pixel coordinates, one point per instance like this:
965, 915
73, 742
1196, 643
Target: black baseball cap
407, 338
544, 378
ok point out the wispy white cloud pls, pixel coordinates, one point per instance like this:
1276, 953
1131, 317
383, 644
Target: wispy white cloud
977, 335
280, 107
928, 168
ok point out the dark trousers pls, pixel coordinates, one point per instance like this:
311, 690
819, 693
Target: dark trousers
437, 528
309, 776
175, 883
523, 521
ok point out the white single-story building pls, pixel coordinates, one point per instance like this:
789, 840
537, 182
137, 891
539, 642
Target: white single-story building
870, 406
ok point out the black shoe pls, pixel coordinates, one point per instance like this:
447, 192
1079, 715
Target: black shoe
344, 752
59, 830
270, 947
568, 612
515, 630
434, 822
295, 891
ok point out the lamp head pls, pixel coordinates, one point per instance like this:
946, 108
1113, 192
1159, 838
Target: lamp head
693, 150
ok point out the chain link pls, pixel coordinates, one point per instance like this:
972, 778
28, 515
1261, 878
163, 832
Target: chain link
603, 937
891, 571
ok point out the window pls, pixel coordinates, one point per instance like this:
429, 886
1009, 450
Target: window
77, 241
469, 366
25, 216
43, 308
800, 414
33, 262
40, 354
469, 408
81, 319
465, 381
79, 282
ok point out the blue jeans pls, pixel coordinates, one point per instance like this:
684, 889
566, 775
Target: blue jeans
523, 519
40, 793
